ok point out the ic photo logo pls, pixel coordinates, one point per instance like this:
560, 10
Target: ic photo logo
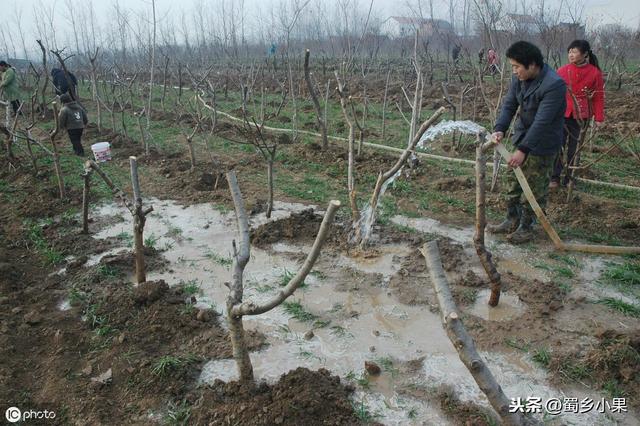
13, 414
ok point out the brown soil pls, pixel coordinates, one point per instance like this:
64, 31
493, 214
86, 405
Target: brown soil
411, 285
300, 397
49, 356
462, 413
299, 226
100, 360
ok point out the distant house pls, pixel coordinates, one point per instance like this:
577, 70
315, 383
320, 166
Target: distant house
570, 30
516, 23
437, 26
401, 26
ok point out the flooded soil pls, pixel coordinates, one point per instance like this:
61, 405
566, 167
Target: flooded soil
374, 306
82, 336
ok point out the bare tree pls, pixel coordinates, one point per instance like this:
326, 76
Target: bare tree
237, 308
322, 125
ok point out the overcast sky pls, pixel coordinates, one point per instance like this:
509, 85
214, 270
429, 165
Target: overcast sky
596, 12
626, 12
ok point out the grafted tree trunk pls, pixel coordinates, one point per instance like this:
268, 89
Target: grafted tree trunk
43, 96
316, 103
139, 219
481, 222
236, 307
384, 105
345, 99
56, 154
240, 260
384, 177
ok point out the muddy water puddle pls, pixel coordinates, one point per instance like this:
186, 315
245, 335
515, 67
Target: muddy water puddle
345, 304
510, 307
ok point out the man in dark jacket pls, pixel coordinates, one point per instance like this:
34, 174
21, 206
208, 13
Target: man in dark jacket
73, 118
61, 82
537, 136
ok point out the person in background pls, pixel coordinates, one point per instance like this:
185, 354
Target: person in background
481, 56
455, 53
9, 86
492, 61
585, 100
73, 118
64, 83
540, 94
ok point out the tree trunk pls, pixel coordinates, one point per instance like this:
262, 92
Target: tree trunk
316, 104
384, 177
124, 125
384, 105
142, 136
85, 201
139, 218
236, 308
270, 184
240, 260
43, 99
31, 155
192, 153
481, 223
56, 154
462, 342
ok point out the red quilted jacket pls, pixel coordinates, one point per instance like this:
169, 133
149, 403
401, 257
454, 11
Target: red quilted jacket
586, 84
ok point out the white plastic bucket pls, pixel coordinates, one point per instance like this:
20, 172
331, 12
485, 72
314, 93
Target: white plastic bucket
101, 151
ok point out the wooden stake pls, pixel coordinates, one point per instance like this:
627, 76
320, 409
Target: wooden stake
551, 232
526, 189
85, 200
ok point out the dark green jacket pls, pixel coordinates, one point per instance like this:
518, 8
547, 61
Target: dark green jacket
72, 116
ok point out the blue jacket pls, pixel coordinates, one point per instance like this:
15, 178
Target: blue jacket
60, 83
538, 130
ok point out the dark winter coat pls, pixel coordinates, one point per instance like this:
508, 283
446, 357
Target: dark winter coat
539, 127
72, 116
60, 82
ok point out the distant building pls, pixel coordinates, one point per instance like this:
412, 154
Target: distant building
573, 31
516, 23
400, 26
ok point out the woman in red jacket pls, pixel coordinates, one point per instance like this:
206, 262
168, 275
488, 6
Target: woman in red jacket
585, 100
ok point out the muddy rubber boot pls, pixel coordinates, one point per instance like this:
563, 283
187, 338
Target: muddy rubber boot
524, 233
509, 224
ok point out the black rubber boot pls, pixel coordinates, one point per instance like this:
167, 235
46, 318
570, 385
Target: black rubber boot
524, 233
509, 224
